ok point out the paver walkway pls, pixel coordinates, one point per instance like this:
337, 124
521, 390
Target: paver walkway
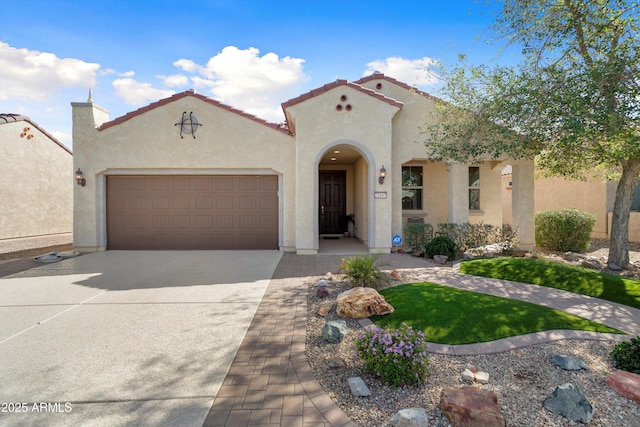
270, 382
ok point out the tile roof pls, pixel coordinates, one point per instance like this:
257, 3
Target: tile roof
380, 76
340, 82
12, 118
281, 127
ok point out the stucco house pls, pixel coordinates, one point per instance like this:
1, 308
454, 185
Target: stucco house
36, 187
188, 172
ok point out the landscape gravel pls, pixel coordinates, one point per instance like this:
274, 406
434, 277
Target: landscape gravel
522, 378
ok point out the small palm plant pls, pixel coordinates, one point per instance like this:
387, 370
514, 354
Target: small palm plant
361, 270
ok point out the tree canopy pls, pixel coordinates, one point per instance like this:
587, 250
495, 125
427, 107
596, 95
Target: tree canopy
573, 103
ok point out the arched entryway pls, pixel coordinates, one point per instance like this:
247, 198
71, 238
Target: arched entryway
343, 199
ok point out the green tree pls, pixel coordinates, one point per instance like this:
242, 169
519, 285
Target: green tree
573, 103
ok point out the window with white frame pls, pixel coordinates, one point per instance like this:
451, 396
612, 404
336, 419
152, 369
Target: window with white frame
474, 188
412, 188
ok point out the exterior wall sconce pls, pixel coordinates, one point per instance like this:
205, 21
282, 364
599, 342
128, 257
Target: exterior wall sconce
80, 178
188, 124
383, 175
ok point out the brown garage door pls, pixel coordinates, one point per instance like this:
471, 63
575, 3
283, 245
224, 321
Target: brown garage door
192, 212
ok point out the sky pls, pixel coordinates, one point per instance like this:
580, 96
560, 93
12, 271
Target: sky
250, 54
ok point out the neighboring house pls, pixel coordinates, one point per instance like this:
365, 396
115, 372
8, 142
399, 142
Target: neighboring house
188, 172
36, 187
594, 195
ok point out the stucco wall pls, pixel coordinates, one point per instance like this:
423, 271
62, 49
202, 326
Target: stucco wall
319, 126
588, 196
490, 195
36, 185
408, 149
149, 143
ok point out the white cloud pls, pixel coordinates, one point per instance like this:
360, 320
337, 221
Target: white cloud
247, 81
33, 75
175, 80
416, 72
137, 93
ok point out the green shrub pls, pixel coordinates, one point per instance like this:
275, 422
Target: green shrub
441, 245
564, 230
396, 356
626, 355
473, 237
361, 270
417, 235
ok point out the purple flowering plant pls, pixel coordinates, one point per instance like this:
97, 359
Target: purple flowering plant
396, 356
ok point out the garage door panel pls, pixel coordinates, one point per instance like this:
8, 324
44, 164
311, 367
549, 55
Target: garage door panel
247, 203
192, 212
204, 203
161, 222
224, 222
224, 202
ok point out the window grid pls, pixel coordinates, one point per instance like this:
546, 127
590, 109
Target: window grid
412, 188
474, 188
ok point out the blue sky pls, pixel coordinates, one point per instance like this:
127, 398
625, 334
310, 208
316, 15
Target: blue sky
252, 55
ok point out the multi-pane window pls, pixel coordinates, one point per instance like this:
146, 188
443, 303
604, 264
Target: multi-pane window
474, 188
412, 187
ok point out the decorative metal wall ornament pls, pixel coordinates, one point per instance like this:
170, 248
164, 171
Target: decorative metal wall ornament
188, 124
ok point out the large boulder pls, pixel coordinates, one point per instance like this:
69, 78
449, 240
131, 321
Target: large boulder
334, 331
568, 363
471, 406
359, 303
566, 400
411, 417
358, 387
625, 383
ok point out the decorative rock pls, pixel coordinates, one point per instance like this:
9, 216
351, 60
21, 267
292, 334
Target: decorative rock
322, 283
322, 292
472, 368
359, 303
471, 406
440, 259
323, 311
614, 267
395, 275
468, 376
412, 417
566, 400
568, 363
591, 263
467, 256
358, 387
571, 256
334, 331
336, 363
625, 383
328, 276
482, 377
400, 251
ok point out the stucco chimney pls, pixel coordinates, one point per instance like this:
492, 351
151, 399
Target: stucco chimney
87, 116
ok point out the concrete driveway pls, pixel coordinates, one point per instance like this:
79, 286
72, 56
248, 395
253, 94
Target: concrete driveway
125, 338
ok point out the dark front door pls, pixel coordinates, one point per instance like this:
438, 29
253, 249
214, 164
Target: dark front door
333, 201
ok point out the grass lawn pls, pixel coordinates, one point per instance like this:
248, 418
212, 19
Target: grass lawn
558, 275
452, 316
